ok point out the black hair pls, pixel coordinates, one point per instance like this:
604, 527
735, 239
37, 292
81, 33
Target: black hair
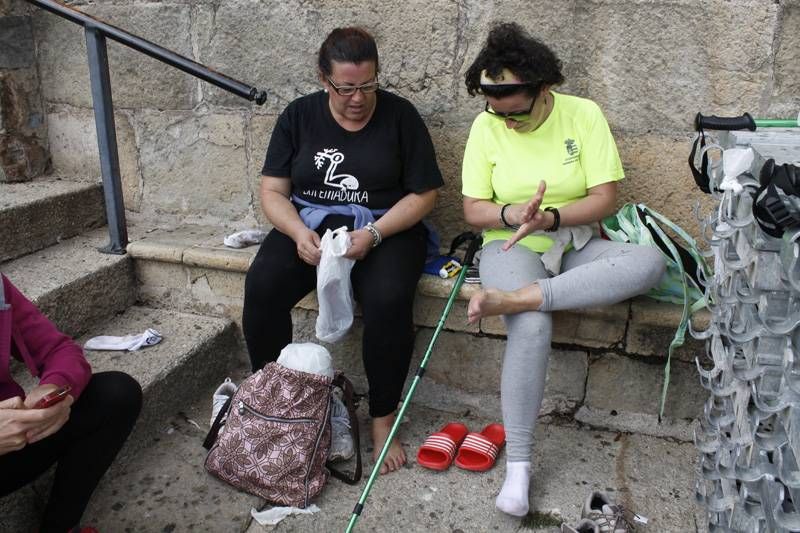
510, 46
347, 45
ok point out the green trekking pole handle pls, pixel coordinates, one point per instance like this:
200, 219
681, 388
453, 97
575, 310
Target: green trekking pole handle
778, 122
469, 257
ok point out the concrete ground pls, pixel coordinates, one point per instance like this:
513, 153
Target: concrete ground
165, 488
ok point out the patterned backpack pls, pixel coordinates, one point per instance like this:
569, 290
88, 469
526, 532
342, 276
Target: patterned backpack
278, 432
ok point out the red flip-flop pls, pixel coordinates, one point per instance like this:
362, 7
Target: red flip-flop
479, 450
438, 450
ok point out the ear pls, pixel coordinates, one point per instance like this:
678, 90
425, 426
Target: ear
544, 90
323, 79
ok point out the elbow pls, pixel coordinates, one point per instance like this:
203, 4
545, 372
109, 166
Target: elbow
471, 215
610, 209
429, 201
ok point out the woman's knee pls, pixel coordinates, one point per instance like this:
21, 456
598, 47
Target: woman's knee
533, 328
388, 303
119, 393
256, 282
652, 265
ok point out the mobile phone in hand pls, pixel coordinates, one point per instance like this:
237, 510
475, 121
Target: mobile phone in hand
53, 398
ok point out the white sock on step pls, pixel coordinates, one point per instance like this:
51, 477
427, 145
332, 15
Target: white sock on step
513, 497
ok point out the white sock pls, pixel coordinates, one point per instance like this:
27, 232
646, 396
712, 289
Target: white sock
128, 342
513, 497
244, 238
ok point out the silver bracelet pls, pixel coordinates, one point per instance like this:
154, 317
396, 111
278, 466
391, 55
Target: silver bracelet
377, 238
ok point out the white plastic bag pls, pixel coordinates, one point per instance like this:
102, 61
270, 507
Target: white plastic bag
735, 161
307, 357
334, 290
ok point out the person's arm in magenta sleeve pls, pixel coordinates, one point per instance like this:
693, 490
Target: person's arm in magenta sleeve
58, 360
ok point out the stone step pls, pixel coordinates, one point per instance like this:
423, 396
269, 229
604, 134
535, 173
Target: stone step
598, 388
607, 363
196, 352
45, 211
195, 355
73, 283
165, 488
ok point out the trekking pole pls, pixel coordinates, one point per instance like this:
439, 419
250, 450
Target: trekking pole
778, 122
743, 122
474, 245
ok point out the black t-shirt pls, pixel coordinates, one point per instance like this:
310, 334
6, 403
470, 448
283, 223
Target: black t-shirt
375, 167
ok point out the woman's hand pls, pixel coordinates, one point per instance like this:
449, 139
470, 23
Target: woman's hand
528, 216
38, 393
20, 426
12, 428
308, 243
360, 244
51, 419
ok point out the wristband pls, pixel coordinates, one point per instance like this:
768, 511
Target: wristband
556, 219
377, 238
503, 217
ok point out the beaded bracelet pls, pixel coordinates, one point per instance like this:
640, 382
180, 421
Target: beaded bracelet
556, 219
377, 238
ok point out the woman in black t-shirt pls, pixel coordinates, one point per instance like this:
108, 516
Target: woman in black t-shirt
351, 152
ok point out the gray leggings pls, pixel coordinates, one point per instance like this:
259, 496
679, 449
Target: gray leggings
601, 273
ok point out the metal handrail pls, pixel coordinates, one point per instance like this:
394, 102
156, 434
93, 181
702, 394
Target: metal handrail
96, 32
153, 50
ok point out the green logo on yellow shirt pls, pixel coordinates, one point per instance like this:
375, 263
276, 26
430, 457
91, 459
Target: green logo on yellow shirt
572, 151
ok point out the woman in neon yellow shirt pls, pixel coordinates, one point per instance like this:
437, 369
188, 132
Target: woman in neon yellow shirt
540, 170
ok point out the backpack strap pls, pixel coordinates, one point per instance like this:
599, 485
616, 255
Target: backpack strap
341, 381
211, 438
701, 174
639, 224
649, 218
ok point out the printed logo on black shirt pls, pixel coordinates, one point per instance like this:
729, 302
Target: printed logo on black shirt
344, 186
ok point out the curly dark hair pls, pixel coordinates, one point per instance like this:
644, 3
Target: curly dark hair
510, 46
347, 45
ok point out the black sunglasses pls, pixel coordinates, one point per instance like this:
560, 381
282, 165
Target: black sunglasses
516, 116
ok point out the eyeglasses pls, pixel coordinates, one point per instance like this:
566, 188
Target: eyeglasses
516, 116
350, 90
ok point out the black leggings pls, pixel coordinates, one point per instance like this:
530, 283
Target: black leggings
84, 448
384, 283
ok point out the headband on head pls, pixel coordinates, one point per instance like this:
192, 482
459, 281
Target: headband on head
506, 77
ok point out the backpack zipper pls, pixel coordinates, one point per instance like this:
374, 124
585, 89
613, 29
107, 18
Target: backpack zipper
242, 407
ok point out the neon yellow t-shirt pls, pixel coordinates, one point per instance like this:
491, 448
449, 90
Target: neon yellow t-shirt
572, 151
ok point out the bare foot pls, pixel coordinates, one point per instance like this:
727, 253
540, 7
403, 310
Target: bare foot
396, 456
489, 302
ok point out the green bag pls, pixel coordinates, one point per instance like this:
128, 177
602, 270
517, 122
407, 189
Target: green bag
681, 284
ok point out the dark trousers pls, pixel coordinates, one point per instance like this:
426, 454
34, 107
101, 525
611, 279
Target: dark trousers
84, 448
384, 283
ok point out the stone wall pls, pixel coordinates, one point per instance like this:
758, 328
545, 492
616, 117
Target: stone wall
192, 151
23, 135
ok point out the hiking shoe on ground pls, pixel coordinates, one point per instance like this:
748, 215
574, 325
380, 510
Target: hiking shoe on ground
221, 395
609, 517
584, 526
341, 440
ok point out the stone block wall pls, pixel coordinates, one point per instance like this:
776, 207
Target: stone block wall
23, 134
191, 151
